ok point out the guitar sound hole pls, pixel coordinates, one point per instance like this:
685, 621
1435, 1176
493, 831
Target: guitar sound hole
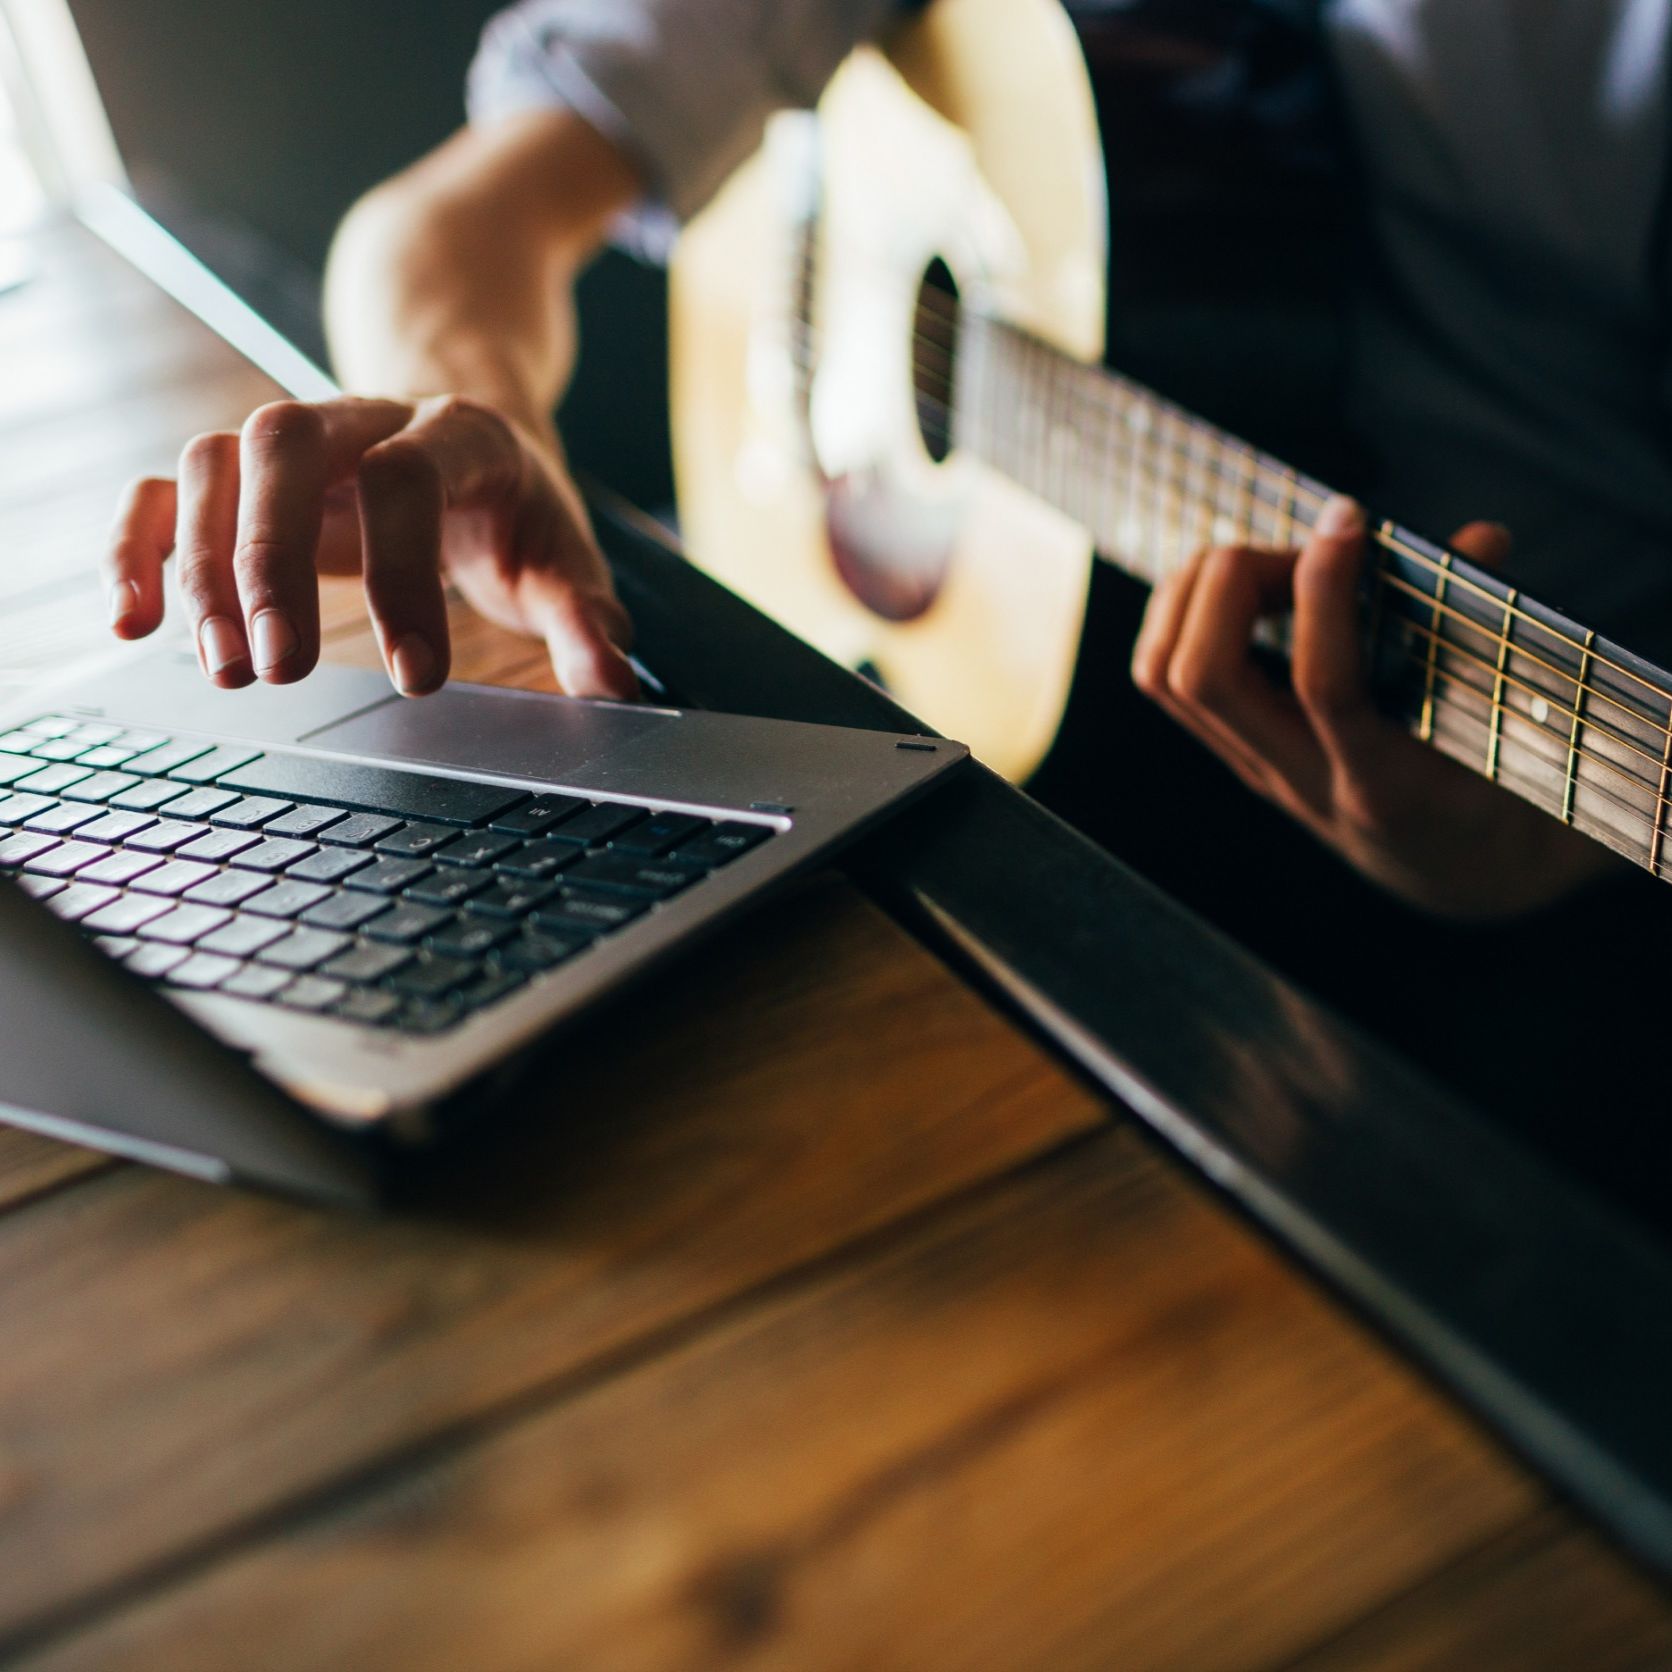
934, 347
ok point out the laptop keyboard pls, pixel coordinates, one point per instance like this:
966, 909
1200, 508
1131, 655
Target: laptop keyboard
386, 898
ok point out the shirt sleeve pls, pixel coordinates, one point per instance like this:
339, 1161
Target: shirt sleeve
683, 86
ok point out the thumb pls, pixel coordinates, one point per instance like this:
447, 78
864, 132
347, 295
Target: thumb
1486, 543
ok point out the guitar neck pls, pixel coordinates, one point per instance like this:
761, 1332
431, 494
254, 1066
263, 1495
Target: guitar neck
1513, 690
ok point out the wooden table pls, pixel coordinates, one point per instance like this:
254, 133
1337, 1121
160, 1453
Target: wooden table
826, 1323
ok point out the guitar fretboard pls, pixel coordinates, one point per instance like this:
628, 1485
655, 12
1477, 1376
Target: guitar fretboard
1530, 699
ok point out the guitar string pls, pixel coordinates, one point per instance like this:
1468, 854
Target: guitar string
947, 311
1175, 485
1591, 722
1571, 750
1104, 407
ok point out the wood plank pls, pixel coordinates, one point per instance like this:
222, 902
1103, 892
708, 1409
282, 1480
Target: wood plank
1081, 1419
180, 1358
1548, 1596
30, 1166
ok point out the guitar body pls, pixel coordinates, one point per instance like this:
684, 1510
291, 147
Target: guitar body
810, 472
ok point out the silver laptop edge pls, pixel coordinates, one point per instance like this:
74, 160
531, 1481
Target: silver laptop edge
814, 785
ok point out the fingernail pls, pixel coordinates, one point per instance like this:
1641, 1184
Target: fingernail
124, 601
1340, 518
413, 664
273, 638
222, 643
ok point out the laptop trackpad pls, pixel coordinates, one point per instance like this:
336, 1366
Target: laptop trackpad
517, 732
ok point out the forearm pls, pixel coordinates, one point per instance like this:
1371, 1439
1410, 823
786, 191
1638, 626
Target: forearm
457, 275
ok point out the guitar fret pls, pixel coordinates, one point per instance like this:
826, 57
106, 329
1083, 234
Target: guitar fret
1426, 728
1657, 838
1495, 733
1579, 691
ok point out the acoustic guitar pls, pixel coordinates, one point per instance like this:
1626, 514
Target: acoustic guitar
893, 433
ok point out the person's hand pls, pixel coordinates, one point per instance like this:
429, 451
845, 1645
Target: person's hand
405, 494
1414, 821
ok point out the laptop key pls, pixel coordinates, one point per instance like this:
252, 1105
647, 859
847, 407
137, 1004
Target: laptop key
155, 961
198, 804
432, 977
449, 887
343, 911
249, 812
49, 725
228, 888
721, 845
287, 898
59, 749
588, 914
626, 873
16, 809
312, 992
126, 916
109, 755
467, 939
273, 853
536, 817
405, 923
660, 832
14, 850
539, 858
390, 876
66, 859
94, 731
301, 949
101, 786
182, 925
597, 825
307, 820
166, 836
256, 981
368, 1005
329, 864
146, 794
80, 900
534, 953
360, 830
13, 767
42, 888
413, 841
116, 946
365, 963
218, 846
374, 789
202, 971
244, 936
121, 867
511, 898
53, 780
61, 818
490, 989
174, 878
477, 848
422, 1016
214, 765
116, 827
167, 757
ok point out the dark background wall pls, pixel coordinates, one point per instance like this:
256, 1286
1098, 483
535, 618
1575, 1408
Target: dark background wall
250, 126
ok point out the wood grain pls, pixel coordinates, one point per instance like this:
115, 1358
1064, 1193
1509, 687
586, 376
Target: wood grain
813, 1319
1550, 1592
1078, 1420
31, 1166
812, 1077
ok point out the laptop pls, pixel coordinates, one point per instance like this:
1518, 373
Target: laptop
285, 936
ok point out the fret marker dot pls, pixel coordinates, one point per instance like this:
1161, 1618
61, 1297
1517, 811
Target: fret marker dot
1541, 711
